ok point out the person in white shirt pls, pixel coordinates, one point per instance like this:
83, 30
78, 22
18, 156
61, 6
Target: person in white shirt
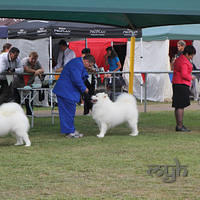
31, 65
6, 47
64, 56
9, 62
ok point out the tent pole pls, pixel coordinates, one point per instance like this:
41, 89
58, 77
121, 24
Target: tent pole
50, 52
51, 66
131, 68
141, 83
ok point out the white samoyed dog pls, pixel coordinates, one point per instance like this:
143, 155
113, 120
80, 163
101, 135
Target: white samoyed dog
13, 120
108, 114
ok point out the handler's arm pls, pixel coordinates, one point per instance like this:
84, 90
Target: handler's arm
76, 78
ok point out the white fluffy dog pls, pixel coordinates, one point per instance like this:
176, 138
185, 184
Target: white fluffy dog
108, 114
14, 121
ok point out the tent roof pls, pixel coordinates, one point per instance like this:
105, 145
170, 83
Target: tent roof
127, 13
32, 29
178, 32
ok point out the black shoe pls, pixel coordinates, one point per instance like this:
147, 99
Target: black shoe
182, 129
86, 112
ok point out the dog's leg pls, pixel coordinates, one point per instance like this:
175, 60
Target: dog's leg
18, 138
26, 140
134, 128
103, 129
19, 141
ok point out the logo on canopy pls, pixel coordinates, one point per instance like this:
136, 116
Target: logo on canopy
97, 32
21, 32
128, 33
42, 30
62, 30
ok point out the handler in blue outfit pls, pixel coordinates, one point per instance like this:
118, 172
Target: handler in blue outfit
68, 89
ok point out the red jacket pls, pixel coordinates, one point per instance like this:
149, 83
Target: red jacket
182, 71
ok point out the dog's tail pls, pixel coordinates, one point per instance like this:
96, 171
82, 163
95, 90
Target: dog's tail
10, 108
126, 98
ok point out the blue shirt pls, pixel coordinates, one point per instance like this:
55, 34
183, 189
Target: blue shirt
71, 81
113, 63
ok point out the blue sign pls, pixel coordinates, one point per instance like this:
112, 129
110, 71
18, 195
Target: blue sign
3, 31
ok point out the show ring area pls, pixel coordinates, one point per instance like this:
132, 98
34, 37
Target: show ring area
162, 161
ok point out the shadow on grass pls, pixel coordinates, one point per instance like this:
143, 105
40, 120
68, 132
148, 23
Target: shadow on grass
151, 123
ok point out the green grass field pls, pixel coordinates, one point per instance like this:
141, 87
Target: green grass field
114, 167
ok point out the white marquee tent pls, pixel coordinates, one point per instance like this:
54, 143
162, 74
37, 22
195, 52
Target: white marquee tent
152, 54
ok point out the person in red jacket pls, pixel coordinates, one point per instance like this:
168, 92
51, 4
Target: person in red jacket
181, 81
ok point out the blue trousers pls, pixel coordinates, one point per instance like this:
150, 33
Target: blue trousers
67, 110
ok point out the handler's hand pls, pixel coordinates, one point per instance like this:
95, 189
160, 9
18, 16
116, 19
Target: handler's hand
86, 91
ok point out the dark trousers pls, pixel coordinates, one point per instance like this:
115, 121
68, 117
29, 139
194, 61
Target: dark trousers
16, 96
87, 103
28, 105
17, 99
5, 92
87, 96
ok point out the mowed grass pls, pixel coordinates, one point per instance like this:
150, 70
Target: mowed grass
114, 167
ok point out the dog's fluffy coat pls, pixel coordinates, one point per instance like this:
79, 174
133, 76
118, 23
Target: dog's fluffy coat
108, 114
13, 120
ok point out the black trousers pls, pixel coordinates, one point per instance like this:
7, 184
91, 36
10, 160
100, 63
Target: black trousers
87, 97
87, 103
6, 94
17, 99
29, 107
16, 95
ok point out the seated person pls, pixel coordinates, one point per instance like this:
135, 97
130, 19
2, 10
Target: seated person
6, 47
33, 66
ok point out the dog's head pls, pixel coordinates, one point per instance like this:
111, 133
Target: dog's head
99, 97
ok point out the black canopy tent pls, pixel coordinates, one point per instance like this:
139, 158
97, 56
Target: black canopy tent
33, 29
